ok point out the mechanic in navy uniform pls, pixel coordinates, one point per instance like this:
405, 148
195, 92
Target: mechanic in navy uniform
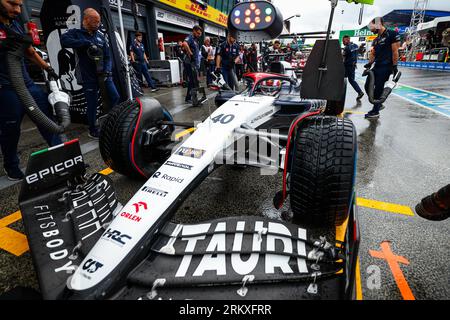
227, 53
90, 44
191, 63
140, 61
350, 60
385, 55
11, 108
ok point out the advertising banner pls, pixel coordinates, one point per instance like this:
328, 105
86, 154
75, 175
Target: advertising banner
211, 14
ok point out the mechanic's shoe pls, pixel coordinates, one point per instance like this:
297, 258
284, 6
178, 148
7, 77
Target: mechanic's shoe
372, 115
188, 101
382, 107
360, 96
154, 90
94, 134
432, 215
14, 174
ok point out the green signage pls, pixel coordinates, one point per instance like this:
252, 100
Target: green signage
369, 2
364, 32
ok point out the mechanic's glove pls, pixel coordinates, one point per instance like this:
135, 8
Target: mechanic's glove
52, 75
368, 66
94, 52
394, 70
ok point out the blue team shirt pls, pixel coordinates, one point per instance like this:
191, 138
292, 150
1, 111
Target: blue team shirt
383, 47
350, 54
139, 51
195, 48
228, 53
4, 73
80, 40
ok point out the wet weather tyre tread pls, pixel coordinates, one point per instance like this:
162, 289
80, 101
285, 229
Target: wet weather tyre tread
323, 169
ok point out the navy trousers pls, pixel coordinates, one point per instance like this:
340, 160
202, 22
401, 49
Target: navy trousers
91, 90
142, 69
229, 75
192, 79
12, 112
350, 75
382, 73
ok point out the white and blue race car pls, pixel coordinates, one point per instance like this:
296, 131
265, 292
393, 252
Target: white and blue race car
86, 245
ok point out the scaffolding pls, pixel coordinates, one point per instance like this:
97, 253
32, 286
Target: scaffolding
418, 15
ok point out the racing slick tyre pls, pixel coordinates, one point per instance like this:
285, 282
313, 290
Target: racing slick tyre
323, 171
122, 138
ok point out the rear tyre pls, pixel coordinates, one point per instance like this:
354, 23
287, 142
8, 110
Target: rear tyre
323, 171
121, 138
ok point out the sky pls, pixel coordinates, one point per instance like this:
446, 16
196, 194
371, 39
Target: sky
315, 13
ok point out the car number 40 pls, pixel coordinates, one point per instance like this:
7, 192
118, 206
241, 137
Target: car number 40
223, 119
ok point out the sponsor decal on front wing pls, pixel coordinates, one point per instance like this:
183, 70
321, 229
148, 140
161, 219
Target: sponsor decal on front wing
116, 237
159, 175
190, 152
178, 165
90, 267
137, 208
157, 192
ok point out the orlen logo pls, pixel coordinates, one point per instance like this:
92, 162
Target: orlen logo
137, 208
35, 177
91, 266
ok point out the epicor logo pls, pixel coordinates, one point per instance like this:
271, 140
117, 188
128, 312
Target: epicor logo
35, 177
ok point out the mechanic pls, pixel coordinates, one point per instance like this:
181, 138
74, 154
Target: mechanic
241, 63
294, 44
350, 61
252, 59
276, 48
140, 61
191, 48
208, 54
90, 44
11, 108
227, 53
385, 55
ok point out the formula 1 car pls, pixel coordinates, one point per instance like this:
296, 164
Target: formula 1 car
86, 245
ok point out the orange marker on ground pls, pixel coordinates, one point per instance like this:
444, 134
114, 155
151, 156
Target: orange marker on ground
393, 262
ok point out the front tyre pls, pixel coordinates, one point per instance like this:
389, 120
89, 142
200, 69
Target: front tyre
323, 171
130, 136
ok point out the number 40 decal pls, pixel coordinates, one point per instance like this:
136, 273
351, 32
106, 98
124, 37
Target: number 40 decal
223, 119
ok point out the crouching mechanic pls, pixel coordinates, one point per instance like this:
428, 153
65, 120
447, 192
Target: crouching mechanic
385, 56
12, 109
91, 45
